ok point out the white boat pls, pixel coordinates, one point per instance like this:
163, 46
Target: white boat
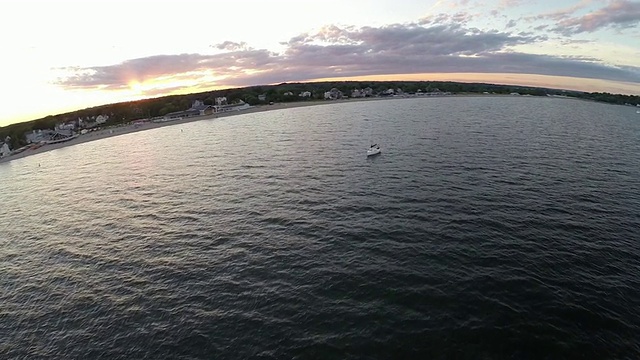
374, 150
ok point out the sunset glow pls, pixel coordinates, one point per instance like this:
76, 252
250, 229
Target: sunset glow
82, 57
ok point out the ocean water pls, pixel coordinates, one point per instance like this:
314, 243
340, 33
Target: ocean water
488, 228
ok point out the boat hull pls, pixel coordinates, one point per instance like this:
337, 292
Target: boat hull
373, 152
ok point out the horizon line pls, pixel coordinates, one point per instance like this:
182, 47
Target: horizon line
534, 81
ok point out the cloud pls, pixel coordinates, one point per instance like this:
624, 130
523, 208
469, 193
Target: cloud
575, 41
460, 18
410, 41
232, 46
618, 14
119, 76
510, 3
564, 13
428, 46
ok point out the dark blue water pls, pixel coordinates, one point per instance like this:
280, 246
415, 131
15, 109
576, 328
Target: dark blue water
488, 228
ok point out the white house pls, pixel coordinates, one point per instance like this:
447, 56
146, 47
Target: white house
101, 119
37, 136
288, 93
262, 97
92, 121
241, 105
222, 100
357, 93
305, 94
66, 126
4, 150
333, 94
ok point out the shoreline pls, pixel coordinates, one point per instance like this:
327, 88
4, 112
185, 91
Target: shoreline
131, 128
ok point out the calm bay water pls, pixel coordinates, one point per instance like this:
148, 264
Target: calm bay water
489, 228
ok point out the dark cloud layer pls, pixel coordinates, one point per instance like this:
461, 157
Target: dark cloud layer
430, 46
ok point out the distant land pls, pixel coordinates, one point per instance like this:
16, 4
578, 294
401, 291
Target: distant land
126, 112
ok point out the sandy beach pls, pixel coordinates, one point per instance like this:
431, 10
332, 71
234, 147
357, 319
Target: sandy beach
130, 128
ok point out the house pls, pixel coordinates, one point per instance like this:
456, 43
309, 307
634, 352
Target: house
93, 121
262, 97
305, 94
221, 100
288, 93
101, 119
241, 105
202, 108
388, 92
71, 125
48, 135
197, 108
436, 92
360, 93
4, 150
65, 129
37, 136
333, 94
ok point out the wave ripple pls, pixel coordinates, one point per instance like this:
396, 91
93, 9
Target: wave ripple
511, 234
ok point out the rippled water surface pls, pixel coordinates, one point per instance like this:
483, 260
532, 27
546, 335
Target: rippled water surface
488, 228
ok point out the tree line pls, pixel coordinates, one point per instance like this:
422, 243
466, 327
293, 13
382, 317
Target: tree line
125, 112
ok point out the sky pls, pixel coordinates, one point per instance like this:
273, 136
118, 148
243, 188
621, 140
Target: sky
60, 56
